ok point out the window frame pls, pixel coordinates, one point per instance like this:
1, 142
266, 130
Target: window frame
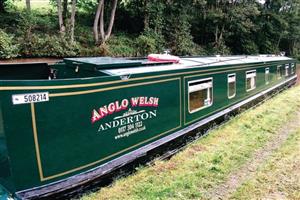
267, 75
292, 68
279, 75
250, 71
212, 94
233, 74
286, 69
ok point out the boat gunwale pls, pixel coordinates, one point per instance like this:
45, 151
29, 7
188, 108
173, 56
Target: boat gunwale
29, 193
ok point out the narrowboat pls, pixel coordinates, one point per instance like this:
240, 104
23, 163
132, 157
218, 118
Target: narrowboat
66, 124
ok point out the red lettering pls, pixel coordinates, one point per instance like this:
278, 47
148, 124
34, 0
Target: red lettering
103, 111
124, 104
95, 116
150, 101
155, 102
134, 101
118, 107
142, 101
111, 108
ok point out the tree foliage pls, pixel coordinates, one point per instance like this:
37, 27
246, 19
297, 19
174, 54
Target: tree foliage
140, 27
7, 48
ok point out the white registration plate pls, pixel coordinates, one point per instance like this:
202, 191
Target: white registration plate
30, 98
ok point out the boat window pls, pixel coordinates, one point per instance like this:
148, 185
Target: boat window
267, 75
250, 80
278, 72
286, 69
231, 85
292, 68
200, 94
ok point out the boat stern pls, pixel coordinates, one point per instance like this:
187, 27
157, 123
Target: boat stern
4, 166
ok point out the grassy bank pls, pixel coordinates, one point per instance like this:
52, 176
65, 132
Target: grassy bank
207, 162
279, 178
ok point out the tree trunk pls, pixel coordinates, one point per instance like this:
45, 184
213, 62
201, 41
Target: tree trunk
216, 35
146, 15
62, 27
99, 22
279, 40
65, 9
28, 6
2, 6
293, 44
112, 20
73, 12
96, 21
221, 35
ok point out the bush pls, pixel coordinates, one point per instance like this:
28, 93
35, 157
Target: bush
84, 36
180, 37
42, 45
145, 45
249, 47
149, 42
36, 22
119, 45
296, 51
90, 51
222, 49
7, 48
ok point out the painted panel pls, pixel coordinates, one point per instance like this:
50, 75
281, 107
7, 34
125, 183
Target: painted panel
73, 132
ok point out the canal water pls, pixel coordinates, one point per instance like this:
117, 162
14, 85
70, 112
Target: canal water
30, 60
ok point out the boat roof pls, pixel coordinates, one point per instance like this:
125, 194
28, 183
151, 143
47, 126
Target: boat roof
122, 66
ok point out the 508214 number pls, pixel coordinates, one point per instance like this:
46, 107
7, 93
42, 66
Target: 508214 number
30, 98
35, 98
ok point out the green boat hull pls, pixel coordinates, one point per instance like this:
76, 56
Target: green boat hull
88, 126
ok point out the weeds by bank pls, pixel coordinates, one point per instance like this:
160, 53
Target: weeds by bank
207, 162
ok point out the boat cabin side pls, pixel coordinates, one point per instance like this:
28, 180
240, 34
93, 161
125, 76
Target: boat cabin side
70, 122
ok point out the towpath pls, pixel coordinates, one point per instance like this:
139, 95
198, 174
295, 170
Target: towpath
249, 169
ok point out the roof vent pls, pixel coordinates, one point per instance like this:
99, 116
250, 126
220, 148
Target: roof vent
282, 53
125, 77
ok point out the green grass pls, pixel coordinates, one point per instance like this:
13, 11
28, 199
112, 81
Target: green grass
207, 162
41, 5
279, 178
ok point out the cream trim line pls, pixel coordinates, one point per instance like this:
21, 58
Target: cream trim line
107, 89
36, 142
